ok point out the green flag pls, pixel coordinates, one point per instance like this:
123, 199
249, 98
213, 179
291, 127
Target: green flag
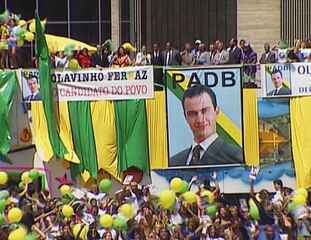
46, 91
8, 86
132, 135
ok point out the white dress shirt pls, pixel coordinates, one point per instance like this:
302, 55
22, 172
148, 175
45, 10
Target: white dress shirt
204, 146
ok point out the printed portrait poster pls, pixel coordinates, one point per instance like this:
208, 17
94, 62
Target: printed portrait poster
277, 80
216, 129
30, 85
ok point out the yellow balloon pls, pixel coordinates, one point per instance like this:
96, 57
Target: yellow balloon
29, 36
106, 220
176, 184
67, 211
18, 234
209, 195
15, 215
126, 210
25, 177
302, 191
65, 189
3, 178
22, 23
190, 197
299, 199
32, 27
76, 229
167, 199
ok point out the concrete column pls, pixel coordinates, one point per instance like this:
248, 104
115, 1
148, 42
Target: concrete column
259, 22
116, 22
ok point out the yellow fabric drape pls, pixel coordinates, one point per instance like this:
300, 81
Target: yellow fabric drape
40, 131
157, 131
300, 118
251, 134
103, 119
65, 133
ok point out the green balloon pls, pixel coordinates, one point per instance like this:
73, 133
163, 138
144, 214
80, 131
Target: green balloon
4, 194
2, 205
21, 185
31, 236
120, 223
254, 212
291, 206
2, 220
211, 210
184, 187
105, 185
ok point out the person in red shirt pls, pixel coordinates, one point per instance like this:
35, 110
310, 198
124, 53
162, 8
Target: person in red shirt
84, 58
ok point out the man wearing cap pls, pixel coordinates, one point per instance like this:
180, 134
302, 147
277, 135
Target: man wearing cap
195, 50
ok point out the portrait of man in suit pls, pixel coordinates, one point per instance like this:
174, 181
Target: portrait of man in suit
33, 86
278, 83
208, 148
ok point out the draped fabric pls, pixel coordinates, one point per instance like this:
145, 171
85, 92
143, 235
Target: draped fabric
8, 86
46, 91
157, 130
83, 138
251, 134
300, 118
103, 119
132, 135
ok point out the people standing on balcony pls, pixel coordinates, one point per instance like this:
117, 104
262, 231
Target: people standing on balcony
235, 53
156, 58
84, 58
250, 60
268, 56
96, 58
187, 58
121, 58
142, 58
171, 56
203, 57
60, 60
221, 56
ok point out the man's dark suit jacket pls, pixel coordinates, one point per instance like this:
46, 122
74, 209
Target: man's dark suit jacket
235, 56
270, 58
157, 60
217, 153
282, 91
174, 60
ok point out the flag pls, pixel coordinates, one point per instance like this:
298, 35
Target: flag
46, 91
8, 87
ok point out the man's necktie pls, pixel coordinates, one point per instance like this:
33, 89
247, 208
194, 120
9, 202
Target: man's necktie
275, 92
196, 155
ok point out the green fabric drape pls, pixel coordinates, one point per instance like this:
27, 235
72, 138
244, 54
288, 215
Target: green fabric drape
8, 87
132, 135
46, 91
83, 138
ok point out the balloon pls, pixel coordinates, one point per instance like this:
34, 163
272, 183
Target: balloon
22, 23
67, 211
2, 205
209, 195
31, 236
167, 199
126, 210
176, 184
129, 47
105, 185
29, 36
3, 178
33, 174
211, 210
190, 197
21, 185
32, 27
18, 234
299, 199
65, 189
25, 178
120, 223
302, 191
15, 215
253, 211
184, 187
2, 219
20, 42
4, 194
291, 206
106, 221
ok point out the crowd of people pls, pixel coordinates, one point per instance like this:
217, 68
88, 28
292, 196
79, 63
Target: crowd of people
187, 211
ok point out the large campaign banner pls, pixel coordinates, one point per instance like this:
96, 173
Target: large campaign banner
285, 80
204, 110
92, 84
